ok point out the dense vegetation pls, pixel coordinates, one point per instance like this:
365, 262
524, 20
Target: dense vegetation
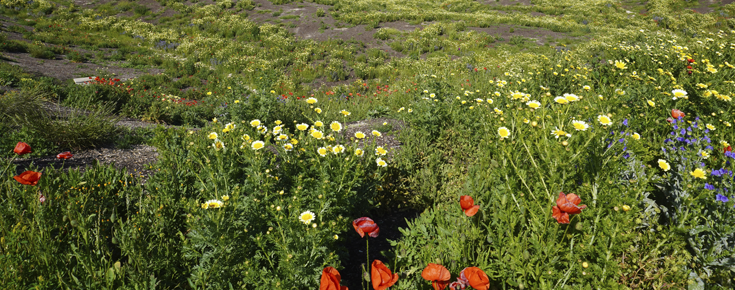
632, 112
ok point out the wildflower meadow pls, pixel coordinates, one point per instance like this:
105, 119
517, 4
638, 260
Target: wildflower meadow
369, 144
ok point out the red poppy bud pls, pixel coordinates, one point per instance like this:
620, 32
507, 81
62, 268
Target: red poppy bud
468, 205
727, 149
22, 148
330, 280
381, 277
28, 178
475, 277
366, 225
64, 155
437, 274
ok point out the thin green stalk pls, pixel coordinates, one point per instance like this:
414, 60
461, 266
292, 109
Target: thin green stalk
367, 254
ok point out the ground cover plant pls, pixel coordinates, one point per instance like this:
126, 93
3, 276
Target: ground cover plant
371, 144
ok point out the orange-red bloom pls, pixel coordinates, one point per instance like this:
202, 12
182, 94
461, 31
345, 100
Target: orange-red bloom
566, 204
676, 114
366, 225
22, 148
475, 277
468, 205
28, 177
64, 155
330, 280
381, 276
437, 274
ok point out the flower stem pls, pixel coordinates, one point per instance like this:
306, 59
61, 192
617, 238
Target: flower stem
367, 254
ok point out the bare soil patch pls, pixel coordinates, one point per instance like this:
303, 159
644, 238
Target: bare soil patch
309, 26
540, 35
136, 160
508, 2
64, 70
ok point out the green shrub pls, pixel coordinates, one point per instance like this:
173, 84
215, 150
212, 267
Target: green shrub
41, 51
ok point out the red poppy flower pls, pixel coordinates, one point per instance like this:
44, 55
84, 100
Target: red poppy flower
366, 225
381, 276
330, 280
468, 205
566, 205
438, 275
64, 155
22, 148
475, 277
676, 114
28, 177
690, 60
727, 149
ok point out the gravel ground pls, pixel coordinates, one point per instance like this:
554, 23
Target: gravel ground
136, 160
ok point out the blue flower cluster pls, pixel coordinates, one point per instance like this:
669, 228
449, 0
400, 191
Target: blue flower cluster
690, 145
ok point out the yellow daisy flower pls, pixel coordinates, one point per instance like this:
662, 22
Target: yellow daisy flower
534, 104
503, 132
317, 134
664, 165
580, 125
335, 126
604, 120
322, 151
698, 173
257, 145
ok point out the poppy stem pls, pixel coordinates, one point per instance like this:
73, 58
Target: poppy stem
6, 167
367, 254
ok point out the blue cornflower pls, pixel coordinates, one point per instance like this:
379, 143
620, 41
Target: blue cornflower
716, 172
709, 186
722, 198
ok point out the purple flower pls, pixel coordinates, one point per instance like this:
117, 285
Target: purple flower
709, 186
667, 140
626, 155
708, 148
676, 127
694, 125
625, 122
683, 131
621, 140
716, 172
682, 149
722, 198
